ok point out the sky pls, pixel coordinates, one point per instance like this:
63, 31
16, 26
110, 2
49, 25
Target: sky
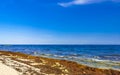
59, 21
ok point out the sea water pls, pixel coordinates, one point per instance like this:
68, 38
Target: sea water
100, 56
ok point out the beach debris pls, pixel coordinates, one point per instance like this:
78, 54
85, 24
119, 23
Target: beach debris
24, 64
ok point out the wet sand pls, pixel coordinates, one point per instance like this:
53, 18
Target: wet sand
23, 64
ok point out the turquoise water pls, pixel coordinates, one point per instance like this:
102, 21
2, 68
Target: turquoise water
100, 56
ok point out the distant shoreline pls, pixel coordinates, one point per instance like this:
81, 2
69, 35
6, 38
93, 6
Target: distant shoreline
39, 65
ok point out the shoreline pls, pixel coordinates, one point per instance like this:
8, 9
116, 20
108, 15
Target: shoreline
91, 62
28, 65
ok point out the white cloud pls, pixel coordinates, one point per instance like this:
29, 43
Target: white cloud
82, 2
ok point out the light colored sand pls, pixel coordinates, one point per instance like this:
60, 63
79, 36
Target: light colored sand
22, 68
5, 70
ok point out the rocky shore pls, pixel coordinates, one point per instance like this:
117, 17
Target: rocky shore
32, 65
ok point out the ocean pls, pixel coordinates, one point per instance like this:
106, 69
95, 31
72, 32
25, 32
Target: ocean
99, 56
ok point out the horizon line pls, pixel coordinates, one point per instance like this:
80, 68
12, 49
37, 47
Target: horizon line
59, 44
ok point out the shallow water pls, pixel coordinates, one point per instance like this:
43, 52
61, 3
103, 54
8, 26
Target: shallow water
101, 56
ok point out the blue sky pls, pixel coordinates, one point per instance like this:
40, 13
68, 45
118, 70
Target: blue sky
60, 21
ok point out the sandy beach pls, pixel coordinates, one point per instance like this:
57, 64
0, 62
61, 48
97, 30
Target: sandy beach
5, 70
22, 64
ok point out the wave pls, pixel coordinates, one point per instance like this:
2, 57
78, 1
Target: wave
92, 62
